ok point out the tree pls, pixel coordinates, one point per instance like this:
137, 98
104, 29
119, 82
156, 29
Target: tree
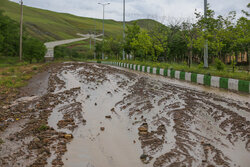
190, 34
116, 47
132, 33
243, 42
33, 49
142, 46
98, 49
159, 34
245, 12
8, 36
177, 44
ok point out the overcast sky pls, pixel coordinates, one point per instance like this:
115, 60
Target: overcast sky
160, 10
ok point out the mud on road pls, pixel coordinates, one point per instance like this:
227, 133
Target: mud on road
94, 115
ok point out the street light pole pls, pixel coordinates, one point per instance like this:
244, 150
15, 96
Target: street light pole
123, 52
103, 6
94, 41
21, 33
206, 43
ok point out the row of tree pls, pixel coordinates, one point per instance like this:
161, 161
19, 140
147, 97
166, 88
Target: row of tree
184, 41
33, 49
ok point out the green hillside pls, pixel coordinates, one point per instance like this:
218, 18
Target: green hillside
146, 23
47, 25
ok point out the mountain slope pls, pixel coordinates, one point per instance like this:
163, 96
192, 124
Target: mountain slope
47, 25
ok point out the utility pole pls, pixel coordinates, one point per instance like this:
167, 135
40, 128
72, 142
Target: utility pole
90, 41
94, 41
123, 52
206, 43
103, 6
21, 33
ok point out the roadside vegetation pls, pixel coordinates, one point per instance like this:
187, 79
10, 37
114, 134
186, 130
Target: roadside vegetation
181, 45
77, 51
33, 49
13, 72
196, 68
15, 76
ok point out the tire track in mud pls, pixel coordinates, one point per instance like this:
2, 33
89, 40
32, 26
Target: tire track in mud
177, 126
207, 129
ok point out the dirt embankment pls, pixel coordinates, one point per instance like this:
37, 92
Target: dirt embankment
85, 106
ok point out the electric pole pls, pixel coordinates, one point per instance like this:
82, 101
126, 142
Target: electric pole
90, 41
123, 52
94, 41
206, 44
21, 33
103, 6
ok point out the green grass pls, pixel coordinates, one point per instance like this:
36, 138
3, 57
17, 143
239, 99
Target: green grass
211, 71
43, 128
9, 61
14, 74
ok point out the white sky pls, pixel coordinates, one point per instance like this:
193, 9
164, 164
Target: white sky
160, 10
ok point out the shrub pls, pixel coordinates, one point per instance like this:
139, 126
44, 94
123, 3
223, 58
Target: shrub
8, 36
33, 49
233, 64
201, 65
4, 73
11, 70
34, 68
219, 64
89, 54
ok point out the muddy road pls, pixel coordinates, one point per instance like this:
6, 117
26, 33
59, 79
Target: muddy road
93, 115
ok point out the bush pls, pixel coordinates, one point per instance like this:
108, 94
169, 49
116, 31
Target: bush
11, 70
233, 64
89, 54
4, 73
62, 52
201, 65
219, 64
33, 49
34, 68
9, 36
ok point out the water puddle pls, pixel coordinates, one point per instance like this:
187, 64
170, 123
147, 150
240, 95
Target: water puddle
117, 144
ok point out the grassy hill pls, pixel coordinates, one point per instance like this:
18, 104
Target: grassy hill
47, 25
146, 23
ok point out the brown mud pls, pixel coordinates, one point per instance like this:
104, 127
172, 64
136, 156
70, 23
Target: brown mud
93, 115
